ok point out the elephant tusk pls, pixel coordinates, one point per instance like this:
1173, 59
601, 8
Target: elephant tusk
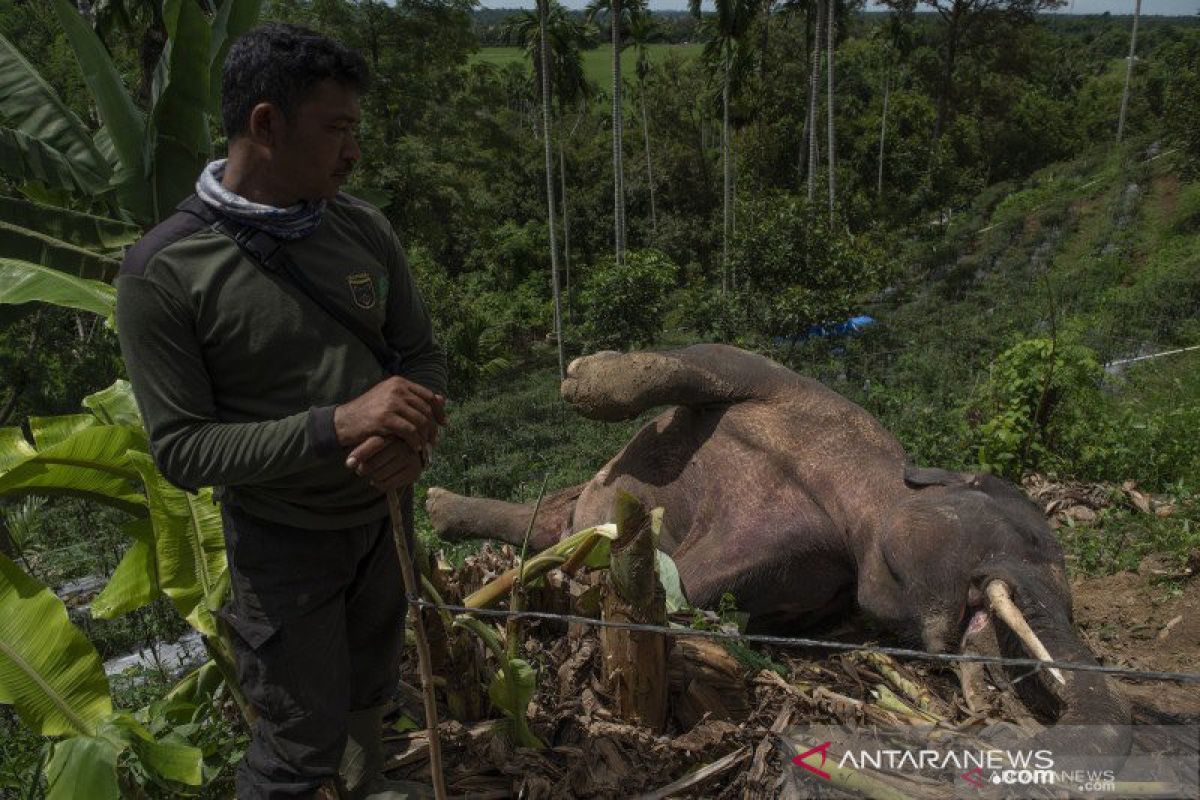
1002, 603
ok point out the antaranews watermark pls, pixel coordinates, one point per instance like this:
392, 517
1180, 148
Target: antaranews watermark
993, 761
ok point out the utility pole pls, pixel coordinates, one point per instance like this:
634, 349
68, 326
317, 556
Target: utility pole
1137, 12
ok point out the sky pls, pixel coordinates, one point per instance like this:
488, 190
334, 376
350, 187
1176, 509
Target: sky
1150, 7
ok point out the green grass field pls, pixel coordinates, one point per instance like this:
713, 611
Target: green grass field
597, 64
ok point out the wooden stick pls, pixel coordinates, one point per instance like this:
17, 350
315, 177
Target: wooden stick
401, 531
701, 775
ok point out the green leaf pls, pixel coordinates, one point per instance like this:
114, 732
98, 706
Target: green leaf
233, 18
511, 689
30, 106
405, 723
134, 583
199, 685
512, 694
23, 282
37, 248
93, 463
49, 431
14, 448
172, 761
83, 761
49, 671
122, 119
115, 405
29, 160
668, 576
189, 543
73, 227
599, 557
178, 133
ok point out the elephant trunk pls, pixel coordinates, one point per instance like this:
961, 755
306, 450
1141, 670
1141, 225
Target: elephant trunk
1093, 720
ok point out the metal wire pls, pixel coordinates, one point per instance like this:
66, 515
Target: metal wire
788, 641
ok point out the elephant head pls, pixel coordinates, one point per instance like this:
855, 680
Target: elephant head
967, 552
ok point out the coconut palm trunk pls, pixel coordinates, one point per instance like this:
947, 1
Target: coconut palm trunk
617, 112
830, 156
562, 176
545, 58
649, 167
813, 77
1137, 13
727, 168
887, 80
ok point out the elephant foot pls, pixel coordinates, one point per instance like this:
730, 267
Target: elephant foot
592, 387
444, 510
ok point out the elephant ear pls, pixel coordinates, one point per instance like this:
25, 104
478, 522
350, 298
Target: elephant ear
918, 477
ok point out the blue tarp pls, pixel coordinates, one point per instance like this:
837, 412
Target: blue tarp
851, 327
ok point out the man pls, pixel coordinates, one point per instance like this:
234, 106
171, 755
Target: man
246, 384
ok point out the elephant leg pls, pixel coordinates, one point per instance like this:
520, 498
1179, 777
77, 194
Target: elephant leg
455, 517
615, 386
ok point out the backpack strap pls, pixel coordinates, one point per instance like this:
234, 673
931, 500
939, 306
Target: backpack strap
269, 253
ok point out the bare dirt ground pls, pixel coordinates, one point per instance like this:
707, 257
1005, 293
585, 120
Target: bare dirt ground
1141, 621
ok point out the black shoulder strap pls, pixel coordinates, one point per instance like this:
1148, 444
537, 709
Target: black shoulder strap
268, 252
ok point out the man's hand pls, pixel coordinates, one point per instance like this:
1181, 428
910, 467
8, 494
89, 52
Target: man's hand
388, 463
394, 407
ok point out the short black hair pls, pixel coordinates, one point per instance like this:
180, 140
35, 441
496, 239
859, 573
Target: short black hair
279, 63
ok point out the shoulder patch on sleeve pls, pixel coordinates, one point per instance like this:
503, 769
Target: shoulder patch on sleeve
179, 225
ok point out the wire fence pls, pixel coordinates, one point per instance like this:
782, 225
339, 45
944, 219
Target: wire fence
1032, 664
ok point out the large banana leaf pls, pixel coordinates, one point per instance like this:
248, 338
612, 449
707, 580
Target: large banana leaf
28, 160
73, 227
24, 244
115, 405
189, 543
134, 583
233, 18
23, 282
122, 119
93, 463
173, 761
49, 431
14, 448
49, 671
178, 131
83, 761
29, 105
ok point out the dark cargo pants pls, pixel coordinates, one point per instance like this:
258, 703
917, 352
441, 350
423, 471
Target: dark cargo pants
317, 627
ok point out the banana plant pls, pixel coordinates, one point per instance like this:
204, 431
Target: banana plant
104, 456
88, 194
51, 674
48, 670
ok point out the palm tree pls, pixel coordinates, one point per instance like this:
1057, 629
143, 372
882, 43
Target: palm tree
618, 13
810, 127
641, 30
728, 29
519, 26
1137, 13
830, 14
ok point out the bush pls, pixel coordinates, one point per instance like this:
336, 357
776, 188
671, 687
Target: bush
624, 305
792, 268
1031, 412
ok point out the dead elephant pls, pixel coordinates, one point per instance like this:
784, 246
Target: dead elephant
779, 490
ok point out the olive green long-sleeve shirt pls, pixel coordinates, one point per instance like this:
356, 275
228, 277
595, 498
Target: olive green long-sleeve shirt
237, 372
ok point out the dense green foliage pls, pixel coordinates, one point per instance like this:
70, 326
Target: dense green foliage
624, 305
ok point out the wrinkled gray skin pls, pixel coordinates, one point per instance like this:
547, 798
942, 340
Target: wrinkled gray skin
797, 501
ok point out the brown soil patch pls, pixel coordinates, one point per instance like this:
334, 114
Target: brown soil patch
1142, 621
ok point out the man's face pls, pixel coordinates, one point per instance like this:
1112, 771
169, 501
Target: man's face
317, 150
